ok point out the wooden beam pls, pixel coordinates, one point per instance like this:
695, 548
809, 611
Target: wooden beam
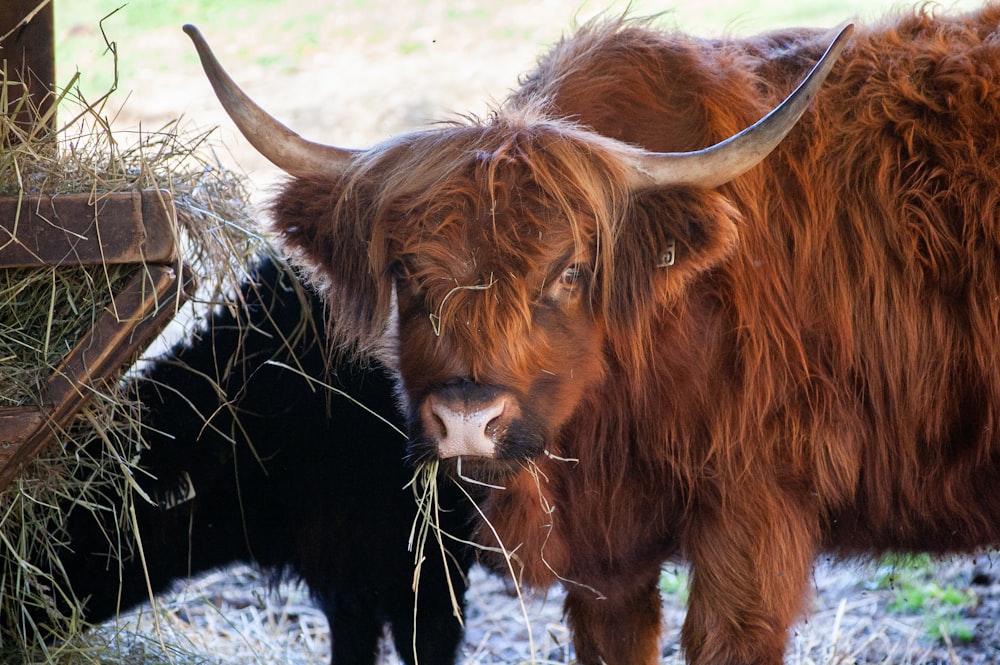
87, 229
137, 315
27, 47
16, 426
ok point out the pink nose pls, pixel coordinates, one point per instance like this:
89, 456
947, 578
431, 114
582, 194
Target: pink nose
463, 428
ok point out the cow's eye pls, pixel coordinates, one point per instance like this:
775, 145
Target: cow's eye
571, 283
571, 276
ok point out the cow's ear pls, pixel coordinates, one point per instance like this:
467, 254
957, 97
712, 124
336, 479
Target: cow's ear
332, 236
669, 238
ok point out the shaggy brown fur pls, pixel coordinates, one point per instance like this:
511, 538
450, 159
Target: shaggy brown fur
818, 371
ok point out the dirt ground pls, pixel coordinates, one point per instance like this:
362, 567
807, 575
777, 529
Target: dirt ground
373, 78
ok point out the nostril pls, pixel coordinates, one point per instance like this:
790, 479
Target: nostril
493, 425
433, 416
442, 429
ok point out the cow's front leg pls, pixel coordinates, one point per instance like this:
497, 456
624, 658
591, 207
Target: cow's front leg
620, 629
751, 563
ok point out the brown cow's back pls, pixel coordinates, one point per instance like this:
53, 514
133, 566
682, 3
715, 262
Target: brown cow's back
869, 247
863, 301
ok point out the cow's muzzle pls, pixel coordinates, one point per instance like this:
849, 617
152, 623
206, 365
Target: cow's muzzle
486, 425
466, 419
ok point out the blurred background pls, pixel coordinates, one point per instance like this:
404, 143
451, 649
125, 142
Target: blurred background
353, 72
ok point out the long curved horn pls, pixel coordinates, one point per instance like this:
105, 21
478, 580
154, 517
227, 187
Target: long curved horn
283, 147
720, 163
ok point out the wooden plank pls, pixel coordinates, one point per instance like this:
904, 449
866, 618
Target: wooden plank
85, 229
16, 425
137, 315
27, 45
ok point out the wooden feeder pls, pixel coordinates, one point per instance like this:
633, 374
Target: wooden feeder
76, 230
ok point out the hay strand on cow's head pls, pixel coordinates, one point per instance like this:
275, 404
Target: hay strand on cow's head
44, 311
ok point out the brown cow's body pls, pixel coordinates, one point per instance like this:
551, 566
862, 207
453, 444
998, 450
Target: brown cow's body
819, 370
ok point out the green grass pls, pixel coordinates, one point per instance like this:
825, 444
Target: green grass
474, 14
128, 24
152, 14
674, 583
916, 592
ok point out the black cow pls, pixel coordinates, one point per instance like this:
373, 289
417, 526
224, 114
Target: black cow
250, 460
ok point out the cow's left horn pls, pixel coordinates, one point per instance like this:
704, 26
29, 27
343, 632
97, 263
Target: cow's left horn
720, 163
283, 147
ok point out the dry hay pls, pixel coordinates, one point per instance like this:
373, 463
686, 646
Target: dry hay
44, 311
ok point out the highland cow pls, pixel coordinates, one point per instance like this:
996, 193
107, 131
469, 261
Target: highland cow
743, 355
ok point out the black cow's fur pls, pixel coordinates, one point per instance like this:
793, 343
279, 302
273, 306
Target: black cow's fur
287, 474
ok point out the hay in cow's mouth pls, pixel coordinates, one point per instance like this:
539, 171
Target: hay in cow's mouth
425, 489
428, 521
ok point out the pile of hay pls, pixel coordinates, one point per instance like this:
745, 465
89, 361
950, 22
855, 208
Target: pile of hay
44, 311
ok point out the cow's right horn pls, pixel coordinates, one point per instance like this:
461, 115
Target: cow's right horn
720, 163
283, 147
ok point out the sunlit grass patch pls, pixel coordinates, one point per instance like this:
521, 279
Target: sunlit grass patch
915, 591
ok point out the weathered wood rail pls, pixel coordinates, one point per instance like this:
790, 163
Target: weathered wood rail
72, 230
84, 229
